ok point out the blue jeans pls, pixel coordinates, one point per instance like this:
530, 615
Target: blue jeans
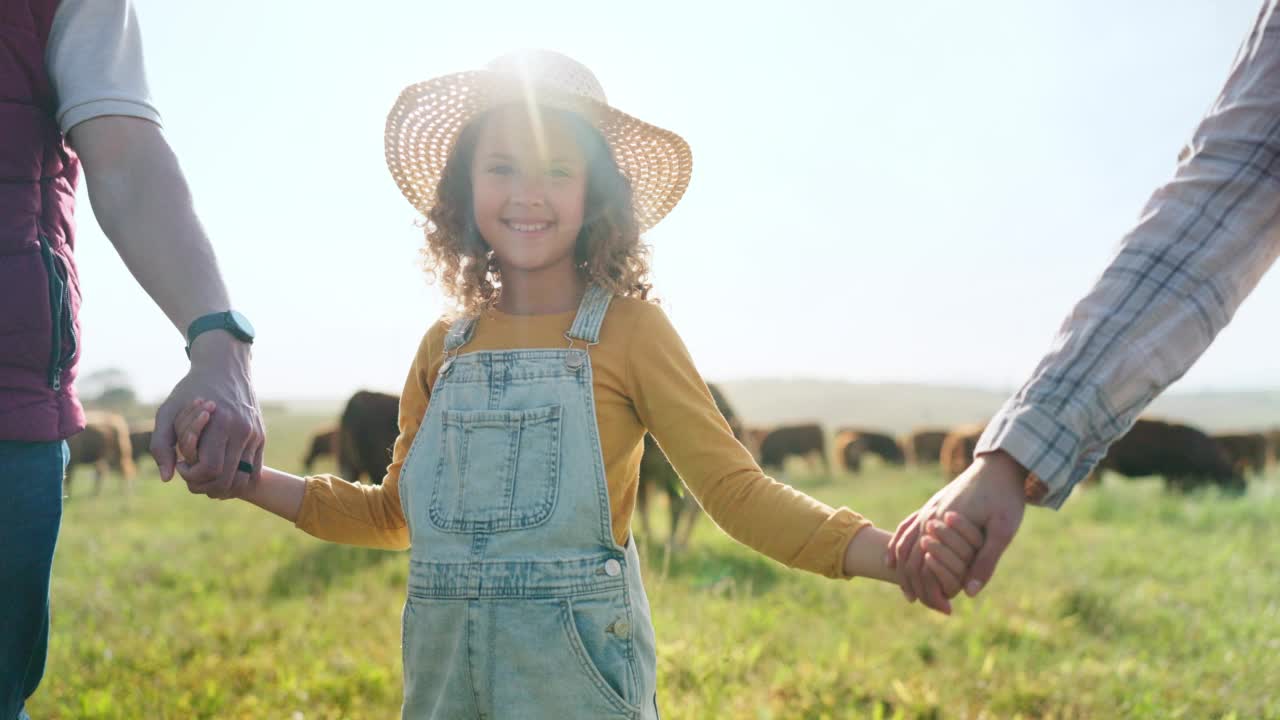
30, 514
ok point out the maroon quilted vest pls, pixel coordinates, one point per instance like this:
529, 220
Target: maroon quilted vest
39, 288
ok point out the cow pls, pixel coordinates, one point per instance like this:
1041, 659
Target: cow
802, 441
753, 438
656, 473
849, 452
957, 449
924, 446
140, 441
855, 444
731, 417
1273, 439
104, 444
1247, 452
1184, 456
323, 443
367, 431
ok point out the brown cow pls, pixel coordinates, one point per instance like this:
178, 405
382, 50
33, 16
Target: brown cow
924, 446
656, 473
104, 444
1184, 456
1247, 452
1273, 439
855, 444
794, 440
323, 443
957, 449
366, 433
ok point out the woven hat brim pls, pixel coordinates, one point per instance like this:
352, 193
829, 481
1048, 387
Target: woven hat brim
426, 119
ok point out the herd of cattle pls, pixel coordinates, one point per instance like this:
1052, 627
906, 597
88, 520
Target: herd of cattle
360, 444
1183, 456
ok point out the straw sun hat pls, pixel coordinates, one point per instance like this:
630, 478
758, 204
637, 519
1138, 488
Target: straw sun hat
427, 117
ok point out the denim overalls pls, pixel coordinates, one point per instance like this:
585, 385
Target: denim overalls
520, 605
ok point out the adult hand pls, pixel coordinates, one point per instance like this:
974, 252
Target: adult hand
235, 433
989, 494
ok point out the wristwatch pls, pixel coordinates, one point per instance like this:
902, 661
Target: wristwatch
231, 321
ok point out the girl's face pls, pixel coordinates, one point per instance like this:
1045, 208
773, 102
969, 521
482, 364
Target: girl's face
529, 186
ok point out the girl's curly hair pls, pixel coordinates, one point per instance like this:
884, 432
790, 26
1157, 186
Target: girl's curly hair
608, 251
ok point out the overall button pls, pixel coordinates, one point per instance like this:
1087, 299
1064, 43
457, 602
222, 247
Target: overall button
612, 568
619, 628
573, 361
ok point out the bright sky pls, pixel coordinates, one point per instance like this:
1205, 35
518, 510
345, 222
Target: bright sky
881, 191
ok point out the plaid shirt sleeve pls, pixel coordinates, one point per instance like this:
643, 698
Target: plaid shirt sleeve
1202, 244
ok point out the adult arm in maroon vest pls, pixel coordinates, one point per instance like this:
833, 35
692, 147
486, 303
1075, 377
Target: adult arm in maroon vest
143, 203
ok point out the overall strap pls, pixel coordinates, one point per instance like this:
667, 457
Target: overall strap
586, 324
459, 334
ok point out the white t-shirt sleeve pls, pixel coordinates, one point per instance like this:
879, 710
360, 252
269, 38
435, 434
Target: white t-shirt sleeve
94, 58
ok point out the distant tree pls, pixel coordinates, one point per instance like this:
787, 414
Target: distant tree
120, 399
110, 389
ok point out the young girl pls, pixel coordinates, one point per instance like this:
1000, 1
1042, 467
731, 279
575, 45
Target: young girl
522, 419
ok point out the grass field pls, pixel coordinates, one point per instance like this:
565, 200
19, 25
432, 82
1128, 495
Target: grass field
1127, 603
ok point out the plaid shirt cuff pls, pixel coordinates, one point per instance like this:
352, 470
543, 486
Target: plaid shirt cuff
1049, 448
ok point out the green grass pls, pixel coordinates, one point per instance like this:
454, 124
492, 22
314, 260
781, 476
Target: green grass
1127, 603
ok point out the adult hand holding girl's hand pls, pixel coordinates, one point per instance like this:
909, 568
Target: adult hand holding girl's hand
188, 426
989, 495
234, 439
949, 548
274, 491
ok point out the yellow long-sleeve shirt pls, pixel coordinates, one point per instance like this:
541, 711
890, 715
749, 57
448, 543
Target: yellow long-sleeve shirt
643, 378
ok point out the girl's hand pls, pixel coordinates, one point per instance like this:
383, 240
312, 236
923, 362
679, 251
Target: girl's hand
949, 548
190, 422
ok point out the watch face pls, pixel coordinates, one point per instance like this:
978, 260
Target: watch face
242, 323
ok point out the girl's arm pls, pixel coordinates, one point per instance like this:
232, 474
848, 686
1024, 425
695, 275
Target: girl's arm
775, 519
864, 556
673, 403
328, 507
278, 492
949, 550
324, 506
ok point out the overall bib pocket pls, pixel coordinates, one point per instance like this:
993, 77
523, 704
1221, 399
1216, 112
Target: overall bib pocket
498, 469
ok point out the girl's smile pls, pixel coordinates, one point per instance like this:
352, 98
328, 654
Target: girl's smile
528, 227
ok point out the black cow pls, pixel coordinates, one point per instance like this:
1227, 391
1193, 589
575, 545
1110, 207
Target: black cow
323, 443
656, 473
366, 433
855, 444
1185, 457
802, 441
